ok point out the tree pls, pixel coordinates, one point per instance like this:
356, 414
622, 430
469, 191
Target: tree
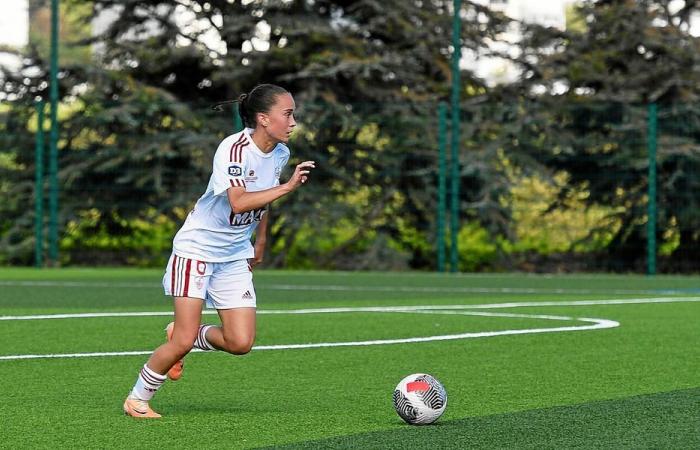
591, 85
366, 76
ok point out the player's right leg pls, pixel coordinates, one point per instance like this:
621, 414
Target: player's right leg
188, 313
184, 277
175, 372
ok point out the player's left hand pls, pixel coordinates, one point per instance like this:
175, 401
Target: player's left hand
259, 255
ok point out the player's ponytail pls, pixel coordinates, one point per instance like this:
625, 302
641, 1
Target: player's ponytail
259, 100
243, 110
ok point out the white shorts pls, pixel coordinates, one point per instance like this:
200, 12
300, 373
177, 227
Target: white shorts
223, 285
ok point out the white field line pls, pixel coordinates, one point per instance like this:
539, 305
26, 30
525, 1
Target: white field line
596, 325
361, 309
443, 276
592, 323
348, 288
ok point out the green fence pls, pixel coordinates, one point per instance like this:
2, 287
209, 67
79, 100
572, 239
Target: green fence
541, 187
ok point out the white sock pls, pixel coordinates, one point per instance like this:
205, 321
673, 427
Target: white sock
201, 341
147, 384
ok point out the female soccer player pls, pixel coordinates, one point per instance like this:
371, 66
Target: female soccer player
212, 250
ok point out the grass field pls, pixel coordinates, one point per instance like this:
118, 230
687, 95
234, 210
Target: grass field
588, 361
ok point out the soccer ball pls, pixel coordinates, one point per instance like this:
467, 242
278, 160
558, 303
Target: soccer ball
420, 399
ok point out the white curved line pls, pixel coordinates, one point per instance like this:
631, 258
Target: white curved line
625, 301
596, 324
353, 288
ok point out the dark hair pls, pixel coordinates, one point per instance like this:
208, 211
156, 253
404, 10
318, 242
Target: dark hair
260, 99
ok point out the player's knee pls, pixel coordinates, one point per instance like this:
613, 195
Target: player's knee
239, 346
183, 343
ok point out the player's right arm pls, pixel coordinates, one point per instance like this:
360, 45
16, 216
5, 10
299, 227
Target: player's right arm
242, 200
228, 178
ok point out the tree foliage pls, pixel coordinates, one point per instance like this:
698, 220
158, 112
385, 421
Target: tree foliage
138, 133
592, 85
366, 77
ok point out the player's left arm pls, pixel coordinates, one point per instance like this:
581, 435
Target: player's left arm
261, 239
261, 232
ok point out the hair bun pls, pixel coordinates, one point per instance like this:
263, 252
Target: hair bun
259, 100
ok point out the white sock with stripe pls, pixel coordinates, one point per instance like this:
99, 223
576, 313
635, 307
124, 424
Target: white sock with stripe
147, 384
201, 341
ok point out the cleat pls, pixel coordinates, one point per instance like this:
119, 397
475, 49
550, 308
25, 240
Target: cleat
175, 372
139, 408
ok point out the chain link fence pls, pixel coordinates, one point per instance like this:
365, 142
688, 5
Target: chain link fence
542, 187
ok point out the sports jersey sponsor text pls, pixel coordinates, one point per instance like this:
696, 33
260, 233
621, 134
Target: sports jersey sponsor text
235, 171
246, 218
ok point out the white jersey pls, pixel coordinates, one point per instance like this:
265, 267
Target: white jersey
212, 232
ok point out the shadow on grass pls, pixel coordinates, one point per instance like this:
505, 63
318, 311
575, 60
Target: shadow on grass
664, 420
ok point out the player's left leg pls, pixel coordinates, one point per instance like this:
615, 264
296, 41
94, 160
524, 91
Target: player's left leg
237, 332
232, 293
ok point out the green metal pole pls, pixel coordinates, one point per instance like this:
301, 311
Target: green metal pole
454, 206
39, 187
442, 184
237, 123
651, 206
53, 141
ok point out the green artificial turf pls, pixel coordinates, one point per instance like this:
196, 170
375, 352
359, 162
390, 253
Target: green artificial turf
632, 386
664, 420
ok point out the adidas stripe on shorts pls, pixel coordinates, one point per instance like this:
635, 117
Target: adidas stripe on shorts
224, 285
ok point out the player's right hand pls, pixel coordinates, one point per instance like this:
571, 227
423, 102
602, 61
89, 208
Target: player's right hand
301, 174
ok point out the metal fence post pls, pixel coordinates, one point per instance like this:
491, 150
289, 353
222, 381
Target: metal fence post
454, 205
442, 185
237, 123
39, 186
53, 140
651, 206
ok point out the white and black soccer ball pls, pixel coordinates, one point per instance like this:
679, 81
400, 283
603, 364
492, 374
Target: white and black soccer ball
420, 399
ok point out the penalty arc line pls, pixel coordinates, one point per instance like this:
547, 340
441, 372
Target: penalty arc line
360, 309
353, 288
424, 309
597, 324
